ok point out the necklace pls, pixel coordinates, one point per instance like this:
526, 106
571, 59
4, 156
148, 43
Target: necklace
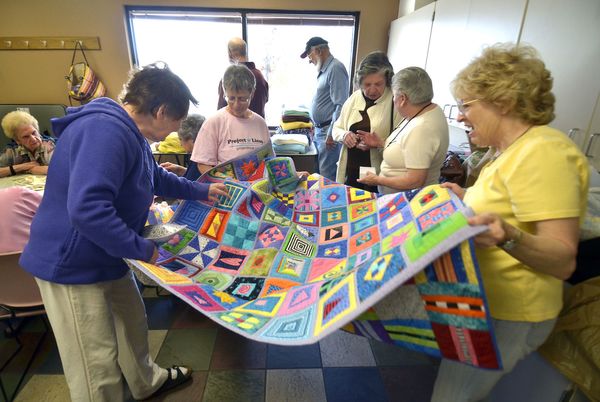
406, 124
498, 152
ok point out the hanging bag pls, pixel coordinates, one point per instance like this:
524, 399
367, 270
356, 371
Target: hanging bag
82, 83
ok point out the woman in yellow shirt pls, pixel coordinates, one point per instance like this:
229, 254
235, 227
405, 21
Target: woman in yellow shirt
531, 196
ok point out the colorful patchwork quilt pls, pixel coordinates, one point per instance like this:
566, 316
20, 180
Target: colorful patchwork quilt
288, 261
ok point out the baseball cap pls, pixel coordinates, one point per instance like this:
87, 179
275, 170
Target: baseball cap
312, 42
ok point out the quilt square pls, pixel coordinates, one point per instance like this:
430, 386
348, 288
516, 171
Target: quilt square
298, 246
291, 268
179, 241
333, 250
245, 288
300, 298
259, 262
246, 167
390, 225
333, 233
392, 206
363, 240
435, 215
359, 195
332, 197
334, 216
359, 211
286, 198
244, 322
215, 224
240, 233
266, 306
362, 224
275, 217
270, 235
215, 279
306, 218
275, 285
427, 198
192, 214
399, 237
229, 260
307, 200
235, 191
326, 269
199, 297
338, 302
207, 251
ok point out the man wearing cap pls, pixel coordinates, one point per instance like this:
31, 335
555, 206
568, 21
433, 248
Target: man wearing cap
238, 54
332, 92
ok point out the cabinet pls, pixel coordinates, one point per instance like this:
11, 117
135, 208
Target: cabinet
461, 29
567, 36
409, 38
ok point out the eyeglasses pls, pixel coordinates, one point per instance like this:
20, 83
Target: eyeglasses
461, 105
240, 99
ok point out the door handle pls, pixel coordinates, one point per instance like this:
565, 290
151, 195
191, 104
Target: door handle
589, 145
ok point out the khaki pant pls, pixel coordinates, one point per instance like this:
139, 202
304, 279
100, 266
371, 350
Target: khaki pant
102, 335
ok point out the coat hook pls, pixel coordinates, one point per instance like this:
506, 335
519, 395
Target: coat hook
62, 43
26, 42
44, 43
8, 43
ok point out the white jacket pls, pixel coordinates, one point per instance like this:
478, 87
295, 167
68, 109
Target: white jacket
380, 116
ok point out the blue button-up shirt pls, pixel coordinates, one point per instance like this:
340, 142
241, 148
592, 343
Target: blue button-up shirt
332, 92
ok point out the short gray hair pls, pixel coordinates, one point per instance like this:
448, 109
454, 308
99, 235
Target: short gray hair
239, 78
190, 127
415, 83
375, 63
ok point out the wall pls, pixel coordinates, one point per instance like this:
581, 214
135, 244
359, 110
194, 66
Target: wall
37, 76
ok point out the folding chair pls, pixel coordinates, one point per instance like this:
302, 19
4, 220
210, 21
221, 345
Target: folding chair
19, 298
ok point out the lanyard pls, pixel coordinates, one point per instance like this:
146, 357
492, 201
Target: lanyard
404, 126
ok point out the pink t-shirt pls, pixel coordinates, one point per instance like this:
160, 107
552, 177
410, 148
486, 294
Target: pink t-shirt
224, 136
18, 206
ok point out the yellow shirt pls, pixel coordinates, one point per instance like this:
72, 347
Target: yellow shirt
171, 145
541, 176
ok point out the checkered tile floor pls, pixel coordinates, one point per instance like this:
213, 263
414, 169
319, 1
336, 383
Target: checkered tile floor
229, 367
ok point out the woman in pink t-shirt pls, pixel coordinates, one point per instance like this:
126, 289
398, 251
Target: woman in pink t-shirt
234, 130
18, 208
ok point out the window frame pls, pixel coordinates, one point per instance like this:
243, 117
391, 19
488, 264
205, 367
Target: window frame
243, 12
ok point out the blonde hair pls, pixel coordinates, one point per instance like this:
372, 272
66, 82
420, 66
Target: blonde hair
511, 77
12, 121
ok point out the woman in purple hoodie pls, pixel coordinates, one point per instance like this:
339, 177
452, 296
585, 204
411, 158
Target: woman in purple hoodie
101, 182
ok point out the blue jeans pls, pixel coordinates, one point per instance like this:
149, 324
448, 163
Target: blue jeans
328, 157
458, 382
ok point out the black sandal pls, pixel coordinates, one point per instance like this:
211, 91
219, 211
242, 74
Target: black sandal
171, 382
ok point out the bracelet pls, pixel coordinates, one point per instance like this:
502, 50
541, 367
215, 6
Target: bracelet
12, 170
511, 243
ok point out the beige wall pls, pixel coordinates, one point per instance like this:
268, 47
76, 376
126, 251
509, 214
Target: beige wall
37, 76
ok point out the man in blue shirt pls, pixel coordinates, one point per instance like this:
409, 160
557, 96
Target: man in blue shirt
332, 91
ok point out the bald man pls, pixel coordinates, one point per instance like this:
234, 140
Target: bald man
238, 54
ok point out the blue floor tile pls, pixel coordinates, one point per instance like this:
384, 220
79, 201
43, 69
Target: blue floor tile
351, 384
308, 356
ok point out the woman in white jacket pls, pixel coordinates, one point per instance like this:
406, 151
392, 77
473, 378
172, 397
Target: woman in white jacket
370, 109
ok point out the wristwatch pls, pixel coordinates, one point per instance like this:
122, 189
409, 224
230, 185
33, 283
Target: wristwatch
511, 242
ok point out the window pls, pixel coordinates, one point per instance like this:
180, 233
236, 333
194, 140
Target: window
193, 42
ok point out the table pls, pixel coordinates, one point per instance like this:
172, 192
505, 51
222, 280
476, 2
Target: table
180, 159
304, 162
30, 181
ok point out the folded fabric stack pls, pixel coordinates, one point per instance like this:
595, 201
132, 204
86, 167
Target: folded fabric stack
296, 121
289, 143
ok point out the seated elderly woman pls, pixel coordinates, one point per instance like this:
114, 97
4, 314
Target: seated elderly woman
233, 130
531, 195
186, 134
32, 153
368, 110
414, 153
